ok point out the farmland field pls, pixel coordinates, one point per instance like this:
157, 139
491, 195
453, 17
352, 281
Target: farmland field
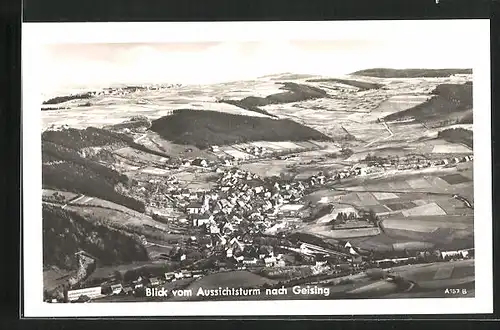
266, 168
367, 199
328, 232
451, 149
428, 209
383, 196
410, 226
418, 183
419, 246
424, 225
401, 206
455, 179
397, 185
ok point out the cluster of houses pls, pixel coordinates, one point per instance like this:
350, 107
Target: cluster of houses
424, 163
423, 255
142, 282
257, 151
132, 89
240, 194
375, 166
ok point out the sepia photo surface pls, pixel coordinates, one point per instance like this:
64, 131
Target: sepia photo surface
249, 170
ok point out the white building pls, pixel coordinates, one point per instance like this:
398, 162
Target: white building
194, 208
116, 288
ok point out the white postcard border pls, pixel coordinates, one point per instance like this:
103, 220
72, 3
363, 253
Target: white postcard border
476, 39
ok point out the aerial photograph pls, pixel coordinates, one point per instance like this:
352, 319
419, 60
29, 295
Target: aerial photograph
228, 171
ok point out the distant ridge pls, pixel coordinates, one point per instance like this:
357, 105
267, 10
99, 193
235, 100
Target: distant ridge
205, 128
362, 85
410, 73
287, 76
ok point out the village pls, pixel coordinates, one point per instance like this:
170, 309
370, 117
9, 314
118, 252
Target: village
231, 227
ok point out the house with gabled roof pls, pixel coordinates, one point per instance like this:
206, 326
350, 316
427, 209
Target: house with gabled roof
194, 208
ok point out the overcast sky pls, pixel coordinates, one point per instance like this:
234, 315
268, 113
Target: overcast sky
99, 65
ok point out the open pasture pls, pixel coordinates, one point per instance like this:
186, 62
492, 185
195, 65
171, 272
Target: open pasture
367, 199
412, 245
425, 195
378, 209
438, 183
155, 171
401, 206
400, 185
380, 189
424, 210
444, 272
411, 235
451, 149
424, 180
383, 196
196, 180
428, 227
419, 183
122, 218
453, 179
266, 168
349, 198
380, 242
318, 195
326, 231
139, 157
312, 144
399, 103
235, 153
454, 206
285, 145
383, 242
176, 150
436, 230
366, 131
99, 212
305, 174
449, 219
427, 272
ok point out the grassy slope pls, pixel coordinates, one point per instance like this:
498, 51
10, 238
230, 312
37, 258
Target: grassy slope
206, 128
410, 73
447, 99
65, 169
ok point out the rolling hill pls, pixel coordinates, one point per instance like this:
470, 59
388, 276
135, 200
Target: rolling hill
65, 233
410, 73
61, 99
294, 93
205, 128
457, 135
448, 100
71, 162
